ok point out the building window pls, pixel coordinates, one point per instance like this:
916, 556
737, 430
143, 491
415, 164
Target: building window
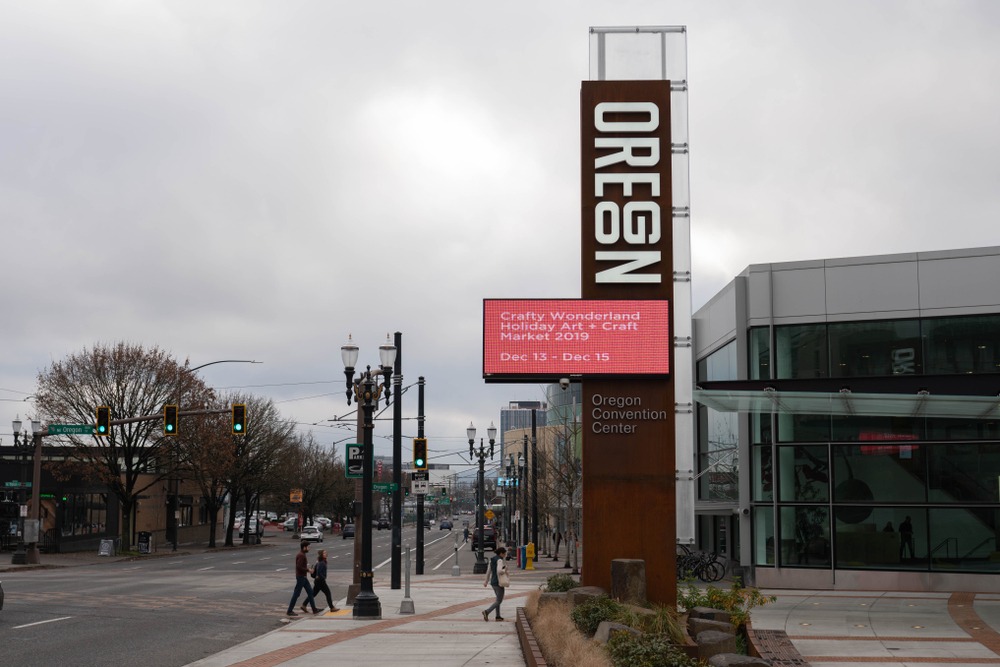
801, 351
875, 349
963, 539
885, 472
760, 353
763, 535
763, 478
964, 473
962, 344
805, 536
805, 474
892, 538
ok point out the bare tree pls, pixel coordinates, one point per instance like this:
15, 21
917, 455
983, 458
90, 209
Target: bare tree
133, 382
257, 455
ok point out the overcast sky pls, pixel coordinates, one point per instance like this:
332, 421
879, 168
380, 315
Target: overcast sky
256, 180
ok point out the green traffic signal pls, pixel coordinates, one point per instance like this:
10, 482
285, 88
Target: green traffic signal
420, 453
239, 418
169, 420
103, 420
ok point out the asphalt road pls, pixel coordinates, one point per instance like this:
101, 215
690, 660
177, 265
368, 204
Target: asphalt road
169, 610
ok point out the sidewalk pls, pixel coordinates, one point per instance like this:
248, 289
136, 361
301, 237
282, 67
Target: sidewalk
447, 628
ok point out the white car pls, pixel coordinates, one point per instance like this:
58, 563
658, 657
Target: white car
311, 533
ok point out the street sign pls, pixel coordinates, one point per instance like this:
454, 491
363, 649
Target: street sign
424, 475
419, 486
14, 484
355, 461
295, 496
71, 429
489, 515
384, 487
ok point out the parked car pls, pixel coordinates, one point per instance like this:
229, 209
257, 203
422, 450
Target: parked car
322, 522
291, 523
311, 533
489, 538
446, 525
383, 523
348, 531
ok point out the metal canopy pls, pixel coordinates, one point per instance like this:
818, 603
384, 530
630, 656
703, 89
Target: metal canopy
849, 404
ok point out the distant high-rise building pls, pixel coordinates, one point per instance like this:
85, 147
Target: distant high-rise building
518, 415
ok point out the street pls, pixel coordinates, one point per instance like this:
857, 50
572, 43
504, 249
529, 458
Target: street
168, 610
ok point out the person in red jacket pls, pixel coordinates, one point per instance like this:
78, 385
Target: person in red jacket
302, 581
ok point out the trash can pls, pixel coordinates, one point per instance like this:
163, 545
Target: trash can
145, 542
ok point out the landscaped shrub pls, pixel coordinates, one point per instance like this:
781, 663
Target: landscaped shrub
663, 621
736, 600
647, 650
588, 615
560, 583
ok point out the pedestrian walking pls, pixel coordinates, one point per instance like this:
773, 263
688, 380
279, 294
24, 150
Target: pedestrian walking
905, 538
302, 581
497, 577
319, 575
465, 533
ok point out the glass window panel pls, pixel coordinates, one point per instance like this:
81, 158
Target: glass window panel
964, 472
720, 365
803, 428
804, 474
763, 481
760, 427
801, 351
805, 536
875, 349
879, 472
962, 429
877, 541
763, 535
760, 353
962, 344
964, 539
876, 429
717, 455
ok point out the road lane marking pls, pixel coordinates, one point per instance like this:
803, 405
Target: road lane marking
239, 562
202, 569
51, 620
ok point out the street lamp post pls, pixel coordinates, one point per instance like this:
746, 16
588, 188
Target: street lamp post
480, 566
367, 390
29, 555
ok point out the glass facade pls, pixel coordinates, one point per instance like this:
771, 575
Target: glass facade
718, 433
893, 493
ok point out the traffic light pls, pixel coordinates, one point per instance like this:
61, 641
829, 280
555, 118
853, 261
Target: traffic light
169, 420
239, 419
420, 453
103, 420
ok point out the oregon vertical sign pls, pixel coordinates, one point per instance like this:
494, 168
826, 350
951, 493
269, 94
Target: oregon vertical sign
627, 253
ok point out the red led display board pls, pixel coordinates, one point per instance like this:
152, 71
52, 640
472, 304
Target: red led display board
542, 339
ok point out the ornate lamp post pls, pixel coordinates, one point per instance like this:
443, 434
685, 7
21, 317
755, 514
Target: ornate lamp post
480, 566
22, 556
367, 390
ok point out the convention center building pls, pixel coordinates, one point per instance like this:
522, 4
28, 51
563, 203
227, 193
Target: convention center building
848, 431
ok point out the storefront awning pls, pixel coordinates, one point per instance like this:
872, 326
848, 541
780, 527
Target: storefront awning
849, 403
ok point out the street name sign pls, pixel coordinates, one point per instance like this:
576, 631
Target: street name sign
71, 429
14, 484
384, 487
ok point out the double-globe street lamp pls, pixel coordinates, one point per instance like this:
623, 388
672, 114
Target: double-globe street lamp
367, 389
21, 556
480, 566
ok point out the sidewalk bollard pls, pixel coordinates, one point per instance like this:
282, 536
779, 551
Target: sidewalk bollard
406, 606
455, 570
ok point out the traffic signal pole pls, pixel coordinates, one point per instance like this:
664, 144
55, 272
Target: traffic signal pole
420, 497
397, 467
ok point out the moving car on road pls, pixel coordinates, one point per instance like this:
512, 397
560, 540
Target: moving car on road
311, 533
445, 525
383, 523
348, 531
489, 538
